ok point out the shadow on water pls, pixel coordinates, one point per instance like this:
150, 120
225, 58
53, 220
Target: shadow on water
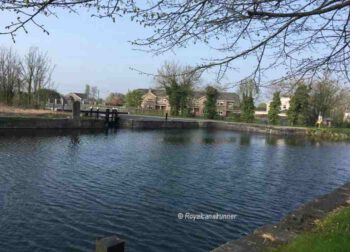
207, 137
244, 139
10, 133
289, 140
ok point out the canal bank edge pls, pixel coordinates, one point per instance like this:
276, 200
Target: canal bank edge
9, 123
125, 121
301, 220
146, 123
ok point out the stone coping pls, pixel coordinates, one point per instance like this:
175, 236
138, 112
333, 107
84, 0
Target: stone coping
300, 220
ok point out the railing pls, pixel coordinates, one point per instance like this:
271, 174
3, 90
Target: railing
111, 117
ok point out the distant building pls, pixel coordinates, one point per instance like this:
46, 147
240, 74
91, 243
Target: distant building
81, 97
346, 117
285, 104
156, 99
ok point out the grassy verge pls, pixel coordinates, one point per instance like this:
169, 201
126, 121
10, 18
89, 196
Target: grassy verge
7, 111
330, 133
332, 234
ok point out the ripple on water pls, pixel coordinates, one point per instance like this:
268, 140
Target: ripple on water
59, 193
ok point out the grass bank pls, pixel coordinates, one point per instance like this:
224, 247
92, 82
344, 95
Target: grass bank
330, 234
8, 111
335, 134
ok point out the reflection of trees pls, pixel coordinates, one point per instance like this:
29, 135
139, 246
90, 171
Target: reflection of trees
287, 140
74, 140
244, 139
178, 136
271, 140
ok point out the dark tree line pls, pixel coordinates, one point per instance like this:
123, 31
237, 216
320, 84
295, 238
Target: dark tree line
303, 36
21, 78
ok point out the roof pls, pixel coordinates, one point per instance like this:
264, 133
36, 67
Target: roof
81, 95
228, 96
196, 94
156, 92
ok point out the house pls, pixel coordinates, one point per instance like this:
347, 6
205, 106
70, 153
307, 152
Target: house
346, 117
226, 104
156, 99
81, 97
285, 104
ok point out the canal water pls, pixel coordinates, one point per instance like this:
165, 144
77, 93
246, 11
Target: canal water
61, 192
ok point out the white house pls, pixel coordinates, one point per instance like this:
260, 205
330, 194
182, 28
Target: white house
285, 104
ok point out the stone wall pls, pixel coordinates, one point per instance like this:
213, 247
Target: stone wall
301, 220
143, 123
44, 123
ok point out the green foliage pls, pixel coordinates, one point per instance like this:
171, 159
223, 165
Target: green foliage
298, 113
44, 94
178, 83
248, 89
235, 117
87, 90
275, 107
261, 107
134, 98
330, 235
248, 109
179, 98
211, 95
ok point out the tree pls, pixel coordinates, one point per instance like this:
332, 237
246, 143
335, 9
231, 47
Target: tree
10, 75
94, 93
275, 108
299, 110
248, 89
115, 99
324, 97
178, 83
134, 98
87, 91
289, 31
37, 71
261, 106
211, 95
46, 94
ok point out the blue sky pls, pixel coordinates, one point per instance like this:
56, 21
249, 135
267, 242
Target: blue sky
95, 51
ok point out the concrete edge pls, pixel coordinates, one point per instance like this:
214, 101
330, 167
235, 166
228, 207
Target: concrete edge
298, 221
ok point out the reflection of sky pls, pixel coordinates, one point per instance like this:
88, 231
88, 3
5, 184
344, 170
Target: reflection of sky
67, 190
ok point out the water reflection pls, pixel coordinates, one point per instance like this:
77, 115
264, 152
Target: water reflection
65, 190
244, 139
74, 140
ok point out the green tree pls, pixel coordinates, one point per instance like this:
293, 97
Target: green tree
46, 94
275, 108
299, 110
87, 90
324, 98
178, 83
261, 106
248, 89
211, 95
134, 98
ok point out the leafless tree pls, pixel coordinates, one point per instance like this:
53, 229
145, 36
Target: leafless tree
10, 75
297, 37
94, 93
37, 70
